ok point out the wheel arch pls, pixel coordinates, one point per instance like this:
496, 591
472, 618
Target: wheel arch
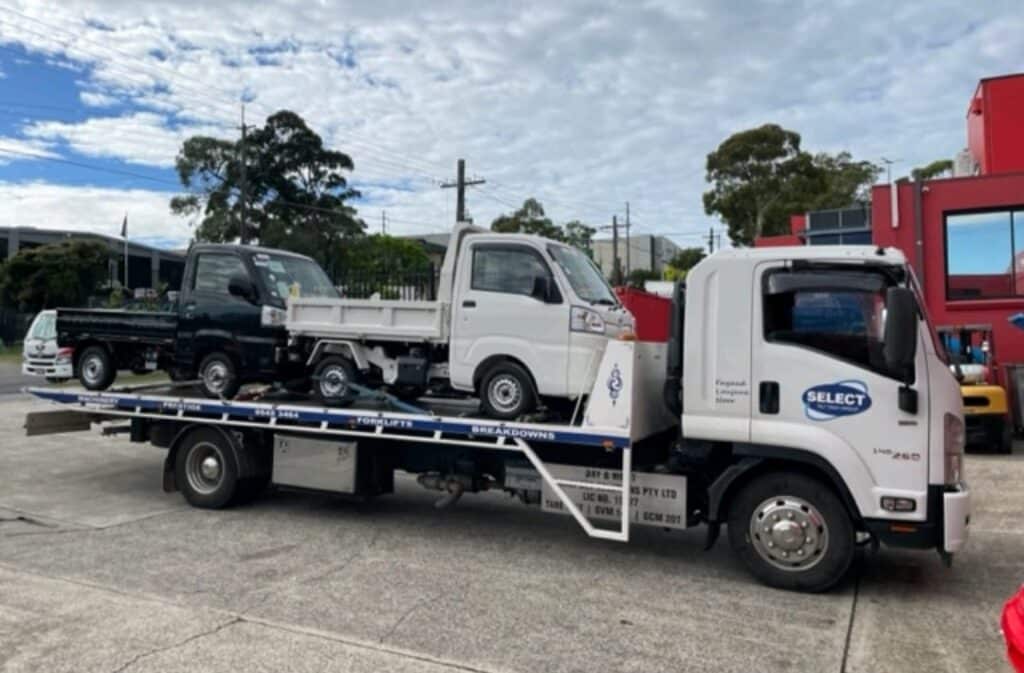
756, 460
490, 362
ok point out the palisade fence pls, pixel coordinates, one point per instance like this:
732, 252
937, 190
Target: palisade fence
417, 285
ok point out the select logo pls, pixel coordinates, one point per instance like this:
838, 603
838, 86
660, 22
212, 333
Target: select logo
835, 400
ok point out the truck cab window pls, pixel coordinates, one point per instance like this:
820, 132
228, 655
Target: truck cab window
214, 271
843, 320
506, 269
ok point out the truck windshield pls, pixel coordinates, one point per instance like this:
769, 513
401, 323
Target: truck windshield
584, 277
44, 327
280, 273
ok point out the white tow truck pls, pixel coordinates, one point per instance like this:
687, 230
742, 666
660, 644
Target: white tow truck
518, 320
803, 401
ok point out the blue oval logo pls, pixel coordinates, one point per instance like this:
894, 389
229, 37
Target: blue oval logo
835, 400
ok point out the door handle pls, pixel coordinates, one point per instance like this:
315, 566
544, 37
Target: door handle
469, 303
190, 311
768, 394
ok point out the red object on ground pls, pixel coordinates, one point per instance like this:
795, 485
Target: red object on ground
652, 313
1013, 630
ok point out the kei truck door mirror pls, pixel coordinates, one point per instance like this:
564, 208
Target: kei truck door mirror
541, 288
900, 339
239, 285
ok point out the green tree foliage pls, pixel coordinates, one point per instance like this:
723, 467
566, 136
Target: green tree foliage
297, 189
56, 274
637, 277
761, 176
382, 254
687, 258
531, 219
933, 170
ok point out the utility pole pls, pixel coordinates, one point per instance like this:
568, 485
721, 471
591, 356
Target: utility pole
628, 243
711, 240
460, 185
616, 265
384, 222
888, 168
243, 229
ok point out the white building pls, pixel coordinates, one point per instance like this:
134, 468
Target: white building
645, 251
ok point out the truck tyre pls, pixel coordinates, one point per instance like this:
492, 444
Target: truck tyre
1006, 438
218, 376
96, 368
792, 532
506, 392
331, 380
205, 469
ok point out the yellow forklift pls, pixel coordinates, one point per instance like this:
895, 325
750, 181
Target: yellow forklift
971, 350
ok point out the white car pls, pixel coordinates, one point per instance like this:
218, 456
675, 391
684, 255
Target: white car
41, 356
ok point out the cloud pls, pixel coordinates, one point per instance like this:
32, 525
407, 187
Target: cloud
46, 205
97, 99
583, 105
19, 149
140, 138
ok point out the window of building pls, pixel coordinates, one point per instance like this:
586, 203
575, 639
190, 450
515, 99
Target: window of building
840, 314
506, 269
985, 254
213, 272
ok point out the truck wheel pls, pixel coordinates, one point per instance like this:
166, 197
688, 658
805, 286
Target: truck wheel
205, 470
792, 532
96, 368
218, 376
1006, 439
331, 380
506, 392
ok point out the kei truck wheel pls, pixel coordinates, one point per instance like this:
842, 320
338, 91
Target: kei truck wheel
506, 392
96, 368
331, 382
205, 469
218, 376
792, 532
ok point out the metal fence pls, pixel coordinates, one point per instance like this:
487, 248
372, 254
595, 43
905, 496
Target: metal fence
420, 285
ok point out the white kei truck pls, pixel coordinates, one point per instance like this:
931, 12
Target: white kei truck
803, 401
518, 320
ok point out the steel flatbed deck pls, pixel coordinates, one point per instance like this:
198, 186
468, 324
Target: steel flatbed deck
169, 405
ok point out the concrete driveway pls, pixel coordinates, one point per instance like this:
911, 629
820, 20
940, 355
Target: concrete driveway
101, 571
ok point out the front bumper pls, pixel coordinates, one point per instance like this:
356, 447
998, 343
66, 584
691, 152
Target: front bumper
956, 517
49, 370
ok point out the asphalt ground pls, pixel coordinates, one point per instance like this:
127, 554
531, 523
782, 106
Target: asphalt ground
102, 571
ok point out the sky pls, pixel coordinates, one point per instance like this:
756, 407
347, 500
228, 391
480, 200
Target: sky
582, 105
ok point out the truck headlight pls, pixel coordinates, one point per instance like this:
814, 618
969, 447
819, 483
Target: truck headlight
584, 320
952, 448
273, 316
64, 356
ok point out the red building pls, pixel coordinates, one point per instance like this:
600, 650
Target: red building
963, 235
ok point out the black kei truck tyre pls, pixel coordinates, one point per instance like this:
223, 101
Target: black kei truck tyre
792, 532
331, 380
1006, 437
218, 376
206, 470
506, 392
96, 370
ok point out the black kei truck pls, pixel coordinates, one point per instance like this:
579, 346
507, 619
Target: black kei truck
226, 329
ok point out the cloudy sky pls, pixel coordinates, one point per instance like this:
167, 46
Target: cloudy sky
582, 105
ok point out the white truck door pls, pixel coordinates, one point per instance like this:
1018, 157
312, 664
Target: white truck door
820, 383
495, 312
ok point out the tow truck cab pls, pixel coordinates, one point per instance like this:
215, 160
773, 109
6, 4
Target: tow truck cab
823, 360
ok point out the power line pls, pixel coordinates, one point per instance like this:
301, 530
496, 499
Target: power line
460, 185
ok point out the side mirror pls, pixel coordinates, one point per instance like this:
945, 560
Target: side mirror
900, 345
239, 285
541, 288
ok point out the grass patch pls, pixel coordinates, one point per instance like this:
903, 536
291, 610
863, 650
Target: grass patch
10, 352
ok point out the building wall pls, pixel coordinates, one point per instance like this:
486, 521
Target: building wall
995, 125
939, 199
651, 253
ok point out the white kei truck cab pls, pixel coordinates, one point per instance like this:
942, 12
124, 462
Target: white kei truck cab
518, 319
802, 401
